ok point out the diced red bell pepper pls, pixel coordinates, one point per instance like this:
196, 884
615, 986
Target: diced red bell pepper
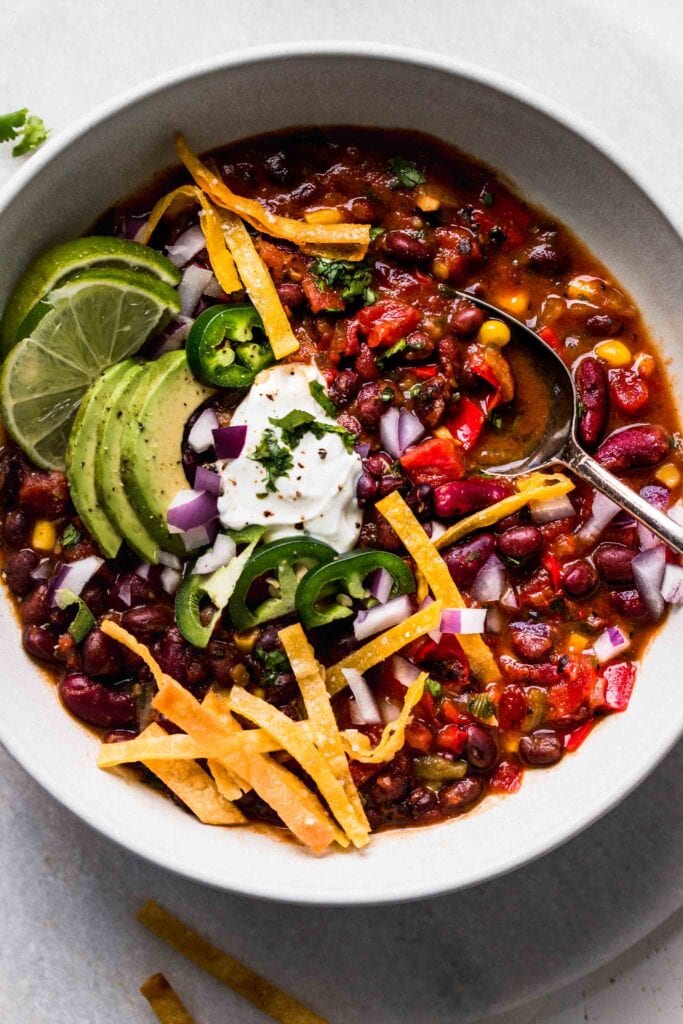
452, 713
575, 737
554, 568
507, 778
452, 738
384, 323
466, 423
628, 390
425, 372
550, 338
512, 707
619, 682
419, 736
435, 461
576, 688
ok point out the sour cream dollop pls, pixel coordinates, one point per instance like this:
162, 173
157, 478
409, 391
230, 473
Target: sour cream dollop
317, 495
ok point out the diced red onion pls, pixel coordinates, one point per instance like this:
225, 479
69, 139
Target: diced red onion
552, 509
200, 536
143, 570
208, 480
124, 594
191, 287
610, 644
509, 599
410, 429
398, 430
495, 619
362, 449
463, 620
190, 509
173, 336
646, 538
648, 572
658, 498
438, 529
73, 576
403, 671
140, 233
433, 634
222, 552
186, 246
389, 710
42, 570
490, 582
364, 710
602, 513
229, 441
381, 585
170, 579
169, 559
381, 617
672, 584
213, 289
200, 438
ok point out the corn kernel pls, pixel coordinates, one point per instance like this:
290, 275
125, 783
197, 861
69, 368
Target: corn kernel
44, 536
325, 215
258, 691
669, 475
515, 303
614, 353
239, 675
244, 642
586, 288
577, 642
494, 332
442, 432
426, 201
509, 742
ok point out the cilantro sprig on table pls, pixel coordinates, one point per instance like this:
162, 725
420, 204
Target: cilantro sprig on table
22, 125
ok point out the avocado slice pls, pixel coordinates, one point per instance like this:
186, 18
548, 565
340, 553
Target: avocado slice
108, 480
151, 459
81, 454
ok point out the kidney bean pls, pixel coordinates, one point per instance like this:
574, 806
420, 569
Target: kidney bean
463, 496
423, 802
344, 387
431, 400
378, 465
366, 364
543, 674
421, 501
349, 422
628, 603
419, 346
541, 747
100, 654
520, 542
16, 528
458, 796
97, 599
521, 518
546, 258
389, 786
466, 320
579, 578
44, 493
290, 294
369, 406
613, 562
39, 643
366, 489
405, 246
533, 641
387, 484
638, 447
96, 704
34, 609
18, 569
465, 560
602, 325
481, 749
593, 395
386, 536
141, 591
119, 735
148, 619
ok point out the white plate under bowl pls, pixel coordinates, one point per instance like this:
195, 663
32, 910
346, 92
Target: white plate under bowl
556, 163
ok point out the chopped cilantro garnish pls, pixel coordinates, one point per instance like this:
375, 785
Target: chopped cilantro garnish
434, 688
70, 536
406, 172
481, 706
375, 233
275, 459
274, 664
487, 198
393, 351
297, 423
496, 420
29, 129
353, 280
322, 398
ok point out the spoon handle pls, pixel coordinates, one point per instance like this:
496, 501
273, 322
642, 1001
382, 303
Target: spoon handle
588, 469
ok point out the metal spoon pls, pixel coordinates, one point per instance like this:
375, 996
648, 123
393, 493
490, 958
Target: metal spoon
559, 445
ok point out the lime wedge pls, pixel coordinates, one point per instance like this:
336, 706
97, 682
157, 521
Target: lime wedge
62, 262
98, 318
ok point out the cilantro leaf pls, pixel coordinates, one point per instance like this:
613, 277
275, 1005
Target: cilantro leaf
275, 459
322, 398
434, 687
297, 423
481, 706
352, 279
70, 536
29, 129
393, 351
406, 172
274, 664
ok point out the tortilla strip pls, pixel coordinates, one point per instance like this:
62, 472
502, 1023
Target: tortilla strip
241, 979
220, 259
260, 287
384, 645
537, 487
164, 1001
299, 809
432, 565
223, 777
324, 728
354, 237
358, 746
194, 787
309, 757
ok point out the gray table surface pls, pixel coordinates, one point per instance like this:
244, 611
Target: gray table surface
70, 950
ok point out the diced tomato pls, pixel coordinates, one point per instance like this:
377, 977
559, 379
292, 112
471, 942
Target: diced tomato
507, 778
628, 390
451, 738
504, 212
320, 299
487, 363
550, 338
419, 737
361, 773
575, 737
452, 713
435, 461
554, 568
619, 682
466, 423
427, 706
384, 323
425, 372
575, 689
512, 707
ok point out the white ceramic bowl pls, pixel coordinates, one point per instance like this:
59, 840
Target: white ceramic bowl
556, 163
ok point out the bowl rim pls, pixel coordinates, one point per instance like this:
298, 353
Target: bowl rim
418, 888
